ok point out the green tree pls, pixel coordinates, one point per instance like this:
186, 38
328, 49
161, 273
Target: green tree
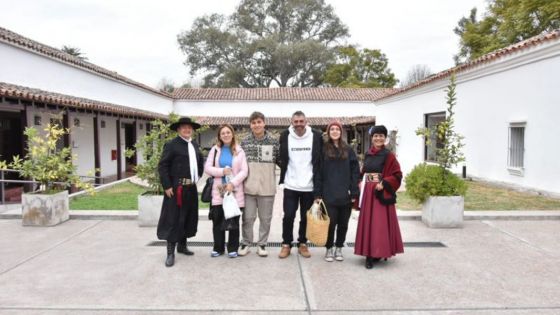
450, 153
506, 22
437, 180
359, 68
264, 43
74, 51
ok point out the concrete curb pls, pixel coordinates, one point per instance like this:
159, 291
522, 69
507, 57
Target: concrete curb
117, 215
512, 215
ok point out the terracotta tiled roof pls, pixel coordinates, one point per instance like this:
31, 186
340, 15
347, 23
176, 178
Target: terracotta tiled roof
488, 58
284, 121
15, 39
31, 94
281, 94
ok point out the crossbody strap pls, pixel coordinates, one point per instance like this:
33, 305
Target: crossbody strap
215, 153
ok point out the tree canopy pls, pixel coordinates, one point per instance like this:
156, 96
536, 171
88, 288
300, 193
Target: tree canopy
264, 43
506, 22
74, 51
359, 68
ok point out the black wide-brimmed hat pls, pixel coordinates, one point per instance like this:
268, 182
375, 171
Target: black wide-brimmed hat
184, 121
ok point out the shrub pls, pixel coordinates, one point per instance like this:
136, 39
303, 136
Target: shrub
46, 163
432, 180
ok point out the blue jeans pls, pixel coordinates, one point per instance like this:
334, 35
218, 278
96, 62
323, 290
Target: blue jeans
293, 199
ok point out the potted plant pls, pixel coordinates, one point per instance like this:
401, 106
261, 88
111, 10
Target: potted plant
52, 167
151, 147
441, 191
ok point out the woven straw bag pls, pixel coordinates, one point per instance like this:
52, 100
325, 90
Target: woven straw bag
317, 224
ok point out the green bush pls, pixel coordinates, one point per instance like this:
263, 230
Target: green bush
432, 180
46, 163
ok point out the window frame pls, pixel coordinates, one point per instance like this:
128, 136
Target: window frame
427, 117
517, 170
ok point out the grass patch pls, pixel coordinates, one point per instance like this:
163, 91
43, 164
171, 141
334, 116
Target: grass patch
482, 196
122, 196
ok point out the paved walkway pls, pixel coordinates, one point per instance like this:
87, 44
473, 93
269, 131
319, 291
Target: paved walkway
104, 266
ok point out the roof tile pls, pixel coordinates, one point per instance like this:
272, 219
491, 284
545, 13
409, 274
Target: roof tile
31, 94
281, 94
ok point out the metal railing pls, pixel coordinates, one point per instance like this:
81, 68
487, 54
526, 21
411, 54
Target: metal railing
4, 181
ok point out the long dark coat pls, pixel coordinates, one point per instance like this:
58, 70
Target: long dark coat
176, 224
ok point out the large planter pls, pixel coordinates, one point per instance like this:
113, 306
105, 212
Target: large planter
443, 212
44, 209
149, 208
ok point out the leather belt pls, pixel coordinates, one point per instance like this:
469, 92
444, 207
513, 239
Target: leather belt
185, 181
369, 177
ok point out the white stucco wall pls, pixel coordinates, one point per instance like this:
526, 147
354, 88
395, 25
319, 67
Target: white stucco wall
139, 134
26, 68
406, 116
521, 88
273, 108
82, 143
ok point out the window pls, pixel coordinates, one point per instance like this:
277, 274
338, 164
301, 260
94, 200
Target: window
431, 121
516, 147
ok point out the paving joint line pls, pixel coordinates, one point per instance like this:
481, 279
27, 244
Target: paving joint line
308, 306
546, 252
49, 249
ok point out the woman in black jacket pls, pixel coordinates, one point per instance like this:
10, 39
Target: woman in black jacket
338, 187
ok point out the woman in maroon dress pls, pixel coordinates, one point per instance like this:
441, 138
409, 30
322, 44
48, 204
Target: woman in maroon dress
378, 235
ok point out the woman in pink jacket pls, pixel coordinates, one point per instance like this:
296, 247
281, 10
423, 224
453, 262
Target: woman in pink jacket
227, 164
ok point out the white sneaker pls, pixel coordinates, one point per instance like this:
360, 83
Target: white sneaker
243, 250
261, 251
338, 254
329, 255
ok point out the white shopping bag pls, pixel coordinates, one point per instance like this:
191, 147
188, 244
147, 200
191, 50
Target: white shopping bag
231, 208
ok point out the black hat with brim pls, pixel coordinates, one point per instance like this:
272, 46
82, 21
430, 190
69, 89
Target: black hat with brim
184, 121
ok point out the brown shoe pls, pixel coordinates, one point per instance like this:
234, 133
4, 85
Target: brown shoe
285, 251
304, 251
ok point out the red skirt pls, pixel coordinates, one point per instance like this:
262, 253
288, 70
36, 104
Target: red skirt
378, 233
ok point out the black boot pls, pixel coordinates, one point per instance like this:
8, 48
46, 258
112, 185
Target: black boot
369, 262
182, 248
170, 254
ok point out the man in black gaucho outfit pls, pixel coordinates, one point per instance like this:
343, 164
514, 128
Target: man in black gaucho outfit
179, 168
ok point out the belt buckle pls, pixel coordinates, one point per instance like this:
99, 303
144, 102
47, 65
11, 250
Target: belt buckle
370, 177
185, 181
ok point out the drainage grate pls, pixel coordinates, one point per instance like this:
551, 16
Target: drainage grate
279, 244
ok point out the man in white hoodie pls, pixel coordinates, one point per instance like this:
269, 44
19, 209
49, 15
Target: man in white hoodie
300, 158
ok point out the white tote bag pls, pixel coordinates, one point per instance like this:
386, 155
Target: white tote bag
231, 208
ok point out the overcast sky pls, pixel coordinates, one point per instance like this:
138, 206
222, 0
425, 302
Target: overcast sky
137, 38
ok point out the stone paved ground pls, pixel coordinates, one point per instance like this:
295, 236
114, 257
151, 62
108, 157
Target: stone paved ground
106, 267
